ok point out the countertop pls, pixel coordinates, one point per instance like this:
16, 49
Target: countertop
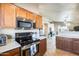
42, 37
69, 34
11, 44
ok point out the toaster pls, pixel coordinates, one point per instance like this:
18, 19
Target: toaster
3, 38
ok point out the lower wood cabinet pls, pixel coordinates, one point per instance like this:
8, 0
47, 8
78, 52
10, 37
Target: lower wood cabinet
75, 46
14, 52
42, 47
68, 44
59, 42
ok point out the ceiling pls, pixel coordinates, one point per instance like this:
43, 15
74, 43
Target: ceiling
54, 11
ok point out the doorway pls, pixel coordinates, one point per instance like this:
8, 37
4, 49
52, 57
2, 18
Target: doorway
51, 42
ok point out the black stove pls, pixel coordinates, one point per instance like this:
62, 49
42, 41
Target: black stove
24, 38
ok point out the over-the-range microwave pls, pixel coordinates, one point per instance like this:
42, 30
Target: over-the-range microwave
24, 23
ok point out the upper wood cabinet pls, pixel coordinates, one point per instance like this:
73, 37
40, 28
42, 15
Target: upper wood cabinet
38, 20
29, 15
7, 15
20, 12
0, 17
9, 12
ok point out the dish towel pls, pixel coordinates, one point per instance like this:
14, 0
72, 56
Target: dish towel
33, 49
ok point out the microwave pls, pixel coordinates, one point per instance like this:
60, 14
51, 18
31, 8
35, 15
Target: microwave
24, 23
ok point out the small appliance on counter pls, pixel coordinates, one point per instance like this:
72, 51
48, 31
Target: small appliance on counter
3, 39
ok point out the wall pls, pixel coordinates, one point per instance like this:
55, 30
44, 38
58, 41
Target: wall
56, 25
13, 31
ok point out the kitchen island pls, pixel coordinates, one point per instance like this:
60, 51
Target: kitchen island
68, 41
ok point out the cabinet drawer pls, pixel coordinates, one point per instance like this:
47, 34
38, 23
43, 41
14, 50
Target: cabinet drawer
11, 52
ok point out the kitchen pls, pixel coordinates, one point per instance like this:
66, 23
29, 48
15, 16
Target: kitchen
24, 31
19, 32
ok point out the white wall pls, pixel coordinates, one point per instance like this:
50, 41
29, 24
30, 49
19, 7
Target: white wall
13, 31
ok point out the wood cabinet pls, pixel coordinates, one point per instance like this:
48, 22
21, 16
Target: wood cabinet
59, 43
7, 15
20, 12
68, 44
31, 16
42, 47
0, 17
38, 20
75, 46
9, 12
14, 52
64, 43
27, 14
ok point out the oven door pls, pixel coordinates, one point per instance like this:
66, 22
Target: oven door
32, 50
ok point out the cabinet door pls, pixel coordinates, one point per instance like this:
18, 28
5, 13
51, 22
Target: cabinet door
0, 17
20, 12
37, 21
40, 22
75, 46
67, 44
31, 16
59, 42
42, 47
14, 52
27, 15
8, 15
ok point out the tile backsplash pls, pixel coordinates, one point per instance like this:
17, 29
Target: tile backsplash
13, 31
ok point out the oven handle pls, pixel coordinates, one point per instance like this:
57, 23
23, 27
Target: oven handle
29, 45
